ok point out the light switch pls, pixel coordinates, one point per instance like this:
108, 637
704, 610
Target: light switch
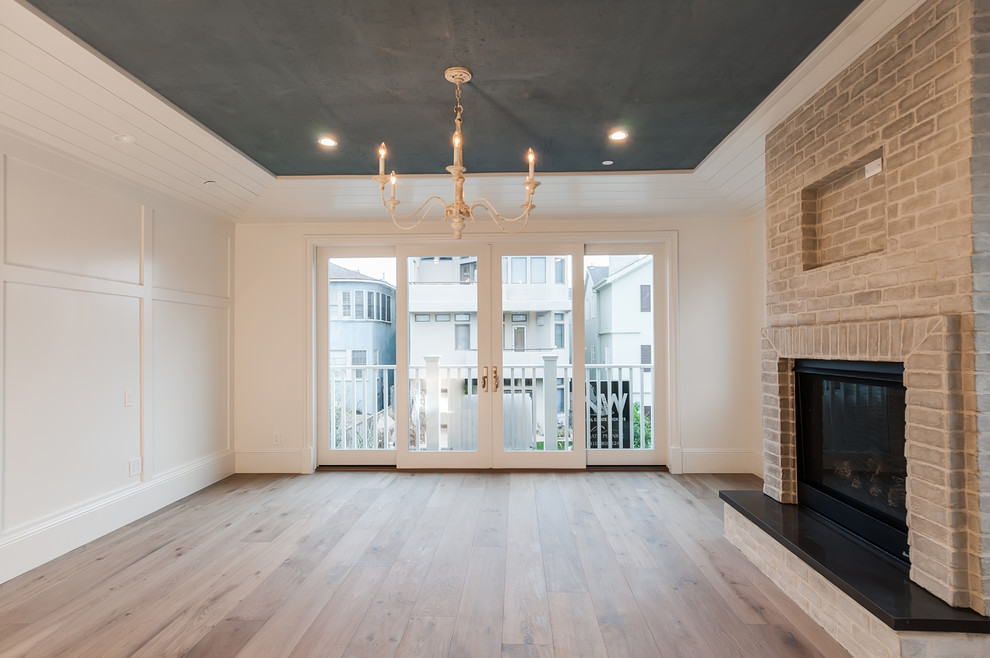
128, 397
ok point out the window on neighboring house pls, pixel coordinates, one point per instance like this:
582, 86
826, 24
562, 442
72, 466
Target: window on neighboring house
520, 317
644, 299
469, 272
345, 303
335, 303
388, 308
442, 317
646, 354
519, 338
358, 304
421, 317
372, 305
559, 271
593, 355
359, 358
538, 269
462, 317
338, 357
558, 335
518, 269
462, 336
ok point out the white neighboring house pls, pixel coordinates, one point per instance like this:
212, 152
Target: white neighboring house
536, 334
618, 302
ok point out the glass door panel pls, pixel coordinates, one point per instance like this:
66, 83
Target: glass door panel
444, 336
620, 347
535, 369
477, 355
357, 369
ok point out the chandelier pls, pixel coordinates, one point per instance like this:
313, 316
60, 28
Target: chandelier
457, 211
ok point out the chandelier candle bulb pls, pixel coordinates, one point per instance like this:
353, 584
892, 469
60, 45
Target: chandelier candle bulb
381, 159
457, 148
392, 179
532, 162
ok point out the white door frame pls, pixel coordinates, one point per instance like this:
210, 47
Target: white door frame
482, 456
663, 355
572, 459
665, 309
321, 359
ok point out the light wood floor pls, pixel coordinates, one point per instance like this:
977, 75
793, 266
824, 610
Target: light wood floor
401, 564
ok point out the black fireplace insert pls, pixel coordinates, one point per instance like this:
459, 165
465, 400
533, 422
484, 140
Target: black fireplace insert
850, 448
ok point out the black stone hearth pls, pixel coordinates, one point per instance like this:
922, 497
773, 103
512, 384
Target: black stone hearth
871, 577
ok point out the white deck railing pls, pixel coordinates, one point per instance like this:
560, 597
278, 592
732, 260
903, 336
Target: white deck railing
362, 407
443, 406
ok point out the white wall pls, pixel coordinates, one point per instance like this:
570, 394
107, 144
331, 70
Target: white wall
109, 290
721, 317
720, 311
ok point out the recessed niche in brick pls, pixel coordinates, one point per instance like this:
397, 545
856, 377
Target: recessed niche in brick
844, 215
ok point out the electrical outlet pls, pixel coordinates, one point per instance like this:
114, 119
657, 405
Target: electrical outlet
128, 397
134, 467
276, 439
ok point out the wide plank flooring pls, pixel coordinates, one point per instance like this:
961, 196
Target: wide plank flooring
416, 564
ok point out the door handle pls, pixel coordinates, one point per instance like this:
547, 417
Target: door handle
494, 379
484, 379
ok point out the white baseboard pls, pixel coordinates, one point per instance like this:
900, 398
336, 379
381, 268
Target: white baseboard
33, 546
274, 462
721, 461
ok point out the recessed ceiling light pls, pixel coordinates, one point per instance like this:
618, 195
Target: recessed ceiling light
607, 163
123, 138
618, 135
327, 141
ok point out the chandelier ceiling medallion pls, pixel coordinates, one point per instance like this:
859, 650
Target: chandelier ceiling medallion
457, 211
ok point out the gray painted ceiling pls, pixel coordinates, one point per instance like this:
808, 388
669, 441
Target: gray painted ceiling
271, 76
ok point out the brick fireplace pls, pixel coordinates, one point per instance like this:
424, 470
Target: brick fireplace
893, 267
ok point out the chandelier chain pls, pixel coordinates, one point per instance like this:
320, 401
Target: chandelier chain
457, 105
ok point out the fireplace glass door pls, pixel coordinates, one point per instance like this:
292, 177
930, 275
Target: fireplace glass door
851, 462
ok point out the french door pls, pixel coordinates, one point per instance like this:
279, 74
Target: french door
533, 350
444, 350
472, 355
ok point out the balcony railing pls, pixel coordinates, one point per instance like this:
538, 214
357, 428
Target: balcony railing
537, 404
362, 407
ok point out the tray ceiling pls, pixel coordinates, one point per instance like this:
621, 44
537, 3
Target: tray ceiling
272, 76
